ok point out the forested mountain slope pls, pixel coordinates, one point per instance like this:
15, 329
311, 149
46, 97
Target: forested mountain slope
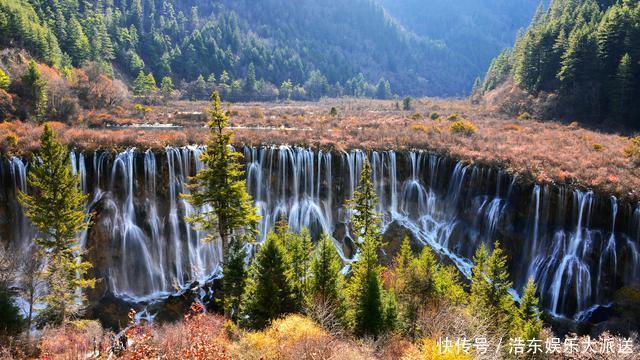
328, 42
580, 58
474, 29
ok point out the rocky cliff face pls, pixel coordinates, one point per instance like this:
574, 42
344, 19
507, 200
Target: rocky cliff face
579, 247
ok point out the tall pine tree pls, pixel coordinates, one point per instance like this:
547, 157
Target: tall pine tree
366, 312
55, 206
219, 187
268, 293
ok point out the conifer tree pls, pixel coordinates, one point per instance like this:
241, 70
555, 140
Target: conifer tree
166, 87
55, 206
37, 86
235, 276
250, 80
297, 248
268, 292
139, 84
219, 190
490, 298
79, 48
365, 220
529, 324
621, 96
366, 312
326, 282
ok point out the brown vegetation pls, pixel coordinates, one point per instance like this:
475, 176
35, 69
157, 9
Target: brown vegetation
544, 151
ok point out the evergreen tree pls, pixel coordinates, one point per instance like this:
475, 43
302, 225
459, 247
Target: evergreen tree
268, 293
139, 84
166, 87
529, 325
622, 94
235, 276
366, 312
326, 282
490, 298
383, 89
365, 220
219, 186
297, 248
55, 206
5, 81
250, 80
78, 48
37, 88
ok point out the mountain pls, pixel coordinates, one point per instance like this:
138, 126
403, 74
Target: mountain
476, 30
343, 47
580, 58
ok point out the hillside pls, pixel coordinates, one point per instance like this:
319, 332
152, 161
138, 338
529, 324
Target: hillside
578, 59
475, 30
327, 43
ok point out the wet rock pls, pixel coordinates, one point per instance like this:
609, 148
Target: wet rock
392, 239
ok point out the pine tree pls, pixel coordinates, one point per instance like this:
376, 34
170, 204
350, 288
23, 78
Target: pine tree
326, 282
366, 311
55, 206
268, 293
219, 187
365, 220
5, 81
490, 298
623, 90
139, 83
297, 247
37, 87
529, 324
250, 80
383, 89
166, 87
235, 276
79, 48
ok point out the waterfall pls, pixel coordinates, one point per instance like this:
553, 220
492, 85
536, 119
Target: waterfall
555, 235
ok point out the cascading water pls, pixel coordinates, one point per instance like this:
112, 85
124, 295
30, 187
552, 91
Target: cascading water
577, 257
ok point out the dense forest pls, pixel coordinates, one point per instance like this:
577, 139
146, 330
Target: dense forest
252, 49
578, 58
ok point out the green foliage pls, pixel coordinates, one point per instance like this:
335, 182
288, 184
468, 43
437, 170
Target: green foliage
11, 322
235, 276
406, 103
297, 250
529, 324
268, 292
37, 90
366, 308
365, 220
490, 298
166, 87
5, 81
333, 112
586, 52
55, 206
220, 186
326, 282
383, 89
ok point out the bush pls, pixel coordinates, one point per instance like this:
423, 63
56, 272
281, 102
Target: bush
632, 150
333, 111
525, 116
416, 116
598, 147
463, 127
454, 117
434, 116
